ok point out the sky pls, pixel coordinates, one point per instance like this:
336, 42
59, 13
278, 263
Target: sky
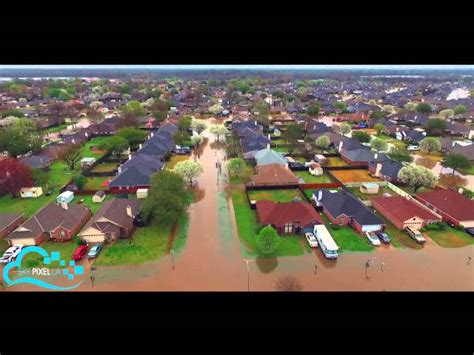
246, 67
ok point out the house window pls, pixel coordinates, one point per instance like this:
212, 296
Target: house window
288, 228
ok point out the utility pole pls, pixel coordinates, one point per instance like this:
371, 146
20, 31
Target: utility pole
248, 276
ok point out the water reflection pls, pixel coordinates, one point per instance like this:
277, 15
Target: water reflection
266, 264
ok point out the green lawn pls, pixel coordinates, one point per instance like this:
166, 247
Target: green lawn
181, 233
96, 141
346, 238
93, 183
175, 159
149, 243
283, 150
65, 248
356, 191
104, 168
335, 161
437, 157
56, 129
469, 171
450, 237
248, 228
3, 246
308, 178
88, 201
287, 195
394, 141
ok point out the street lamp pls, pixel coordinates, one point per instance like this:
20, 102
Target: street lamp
248, 276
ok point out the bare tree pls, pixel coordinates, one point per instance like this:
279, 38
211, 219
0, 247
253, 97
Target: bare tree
288, 283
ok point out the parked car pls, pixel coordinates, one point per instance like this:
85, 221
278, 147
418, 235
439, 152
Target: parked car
383, 237
312, 241
373, 239
470, 231
11, 254
296, 165
413, 147
79, 253
416, 235
95, 251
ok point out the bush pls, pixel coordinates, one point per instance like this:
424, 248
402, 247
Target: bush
336, 227
433, 227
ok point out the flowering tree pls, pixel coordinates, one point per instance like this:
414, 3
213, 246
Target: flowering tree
13, 176
416, 177
189, 169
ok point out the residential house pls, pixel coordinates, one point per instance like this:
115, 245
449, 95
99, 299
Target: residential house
288, 218
52, 222
273, 175
113, 221
362, 157
269, 156
452, 206
459, 130
9, 222
405, 212
386, 169
343, 208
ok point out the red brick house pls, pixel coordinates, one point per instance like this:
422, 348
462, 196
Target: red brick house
405, 212
452, 206
8, 223
53, 222
289, 217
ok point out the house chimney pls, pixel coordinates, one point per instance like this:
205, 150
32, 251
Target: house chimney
376, 155
129, 156
129, 211
151, 134
119, 169
140, 146
64, 205
453, 143
378, 169
340, 145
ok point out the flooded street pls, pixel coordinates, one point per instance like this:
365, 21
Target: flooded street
212, 260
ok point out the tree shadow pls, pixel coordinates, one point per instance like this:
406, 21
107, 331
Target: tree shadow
266, 264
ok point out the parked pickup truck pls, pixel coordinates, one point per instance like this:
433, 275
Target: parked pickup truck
416, 235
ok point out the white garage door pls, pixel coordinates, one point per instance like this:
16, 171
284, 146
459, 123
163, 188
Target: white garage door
94, 238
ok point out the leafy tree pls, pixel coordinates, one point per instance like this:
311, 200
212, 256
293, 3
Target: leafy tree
340, 105
232, 147
14, 175
36, 143
323, 142
71, 155
424, 107
460, 109
167, 197
115, 145
410, 106
379, 128
293, 133
263, 115
416, 177
313, 110
184, 122
128, 119
268, 240
456, 162
198, 126
288, 283
134, 136
80, 181
430, 144
16, 141
377, 115
216, 109
135, 108
345, 128
361, 136
218, 131
436, 125
378, 145
181, 138
189, 169
236, 167
12, 112
400, 154
197, 139
388, 108
446, 113
40, 177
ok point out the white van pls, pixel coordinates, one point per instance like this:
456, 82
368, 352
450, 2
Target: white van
326, 243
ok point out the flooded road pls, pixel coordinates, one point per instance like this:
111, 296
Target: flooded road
212, 259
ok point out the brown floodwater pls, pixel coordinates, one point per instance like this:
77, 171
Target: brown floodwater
212, 260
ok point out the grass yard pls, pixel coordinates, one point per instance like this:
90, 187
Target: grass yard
94, 183
175, 159
66, 250
248, 228
356, 191
88, 201
437, 157
469, 171
283, 150
346, 238
181, 233
359, 175
308, 178
56, 129
3, 246
287, 195
104, 168
449, 237
87, 150
391, 140
335, 161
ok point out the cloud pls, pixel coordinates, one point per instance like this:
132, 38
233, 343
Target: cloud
32, 280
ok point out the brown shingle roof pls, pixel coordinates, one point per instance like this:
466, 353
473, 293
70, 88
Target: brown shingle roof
450, 202
279, 214
7, 219
274, 174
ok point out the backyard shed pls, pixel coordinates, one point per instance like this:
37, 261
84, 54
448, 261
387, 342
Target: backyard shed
98, 197
65, 197
321, 159
315, 169
142, 193
369, 188
31, 192
87, 162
